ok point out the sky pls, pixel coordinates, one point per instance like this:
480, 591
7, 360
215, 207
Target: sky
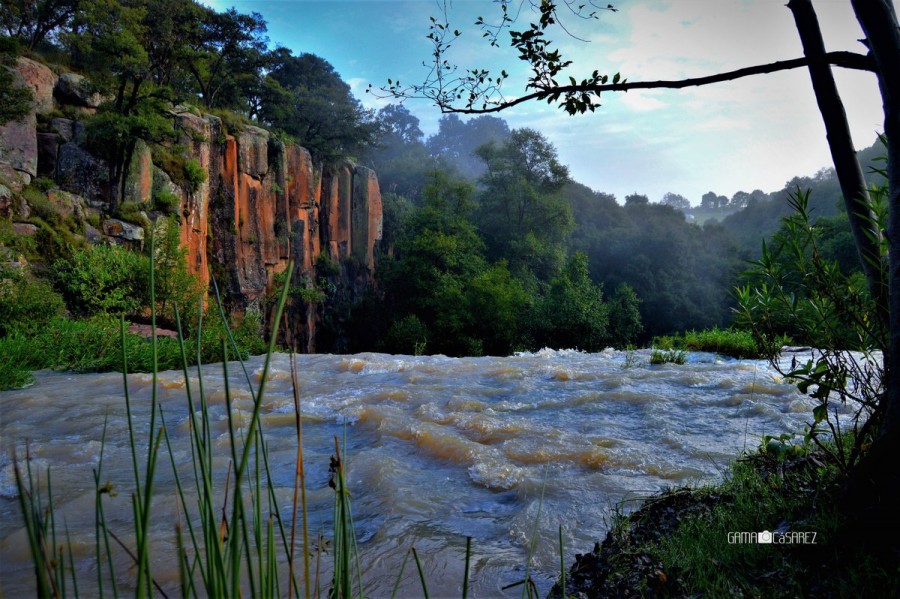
756, 132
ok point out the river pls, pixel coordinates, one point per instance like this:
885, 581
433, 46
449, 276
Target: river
437, 449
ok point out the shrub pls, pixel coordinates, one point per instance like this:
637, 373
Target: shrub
104, 279
166, 202
133, 212
234, 122
194, 174
26, 304
93, 344
735, 343
17, 244
407, 336
794, 289
244, 328
175, 284
326, 266
730, 342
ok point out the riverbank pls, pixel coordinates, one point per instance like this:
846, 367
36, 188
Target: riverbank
772, 528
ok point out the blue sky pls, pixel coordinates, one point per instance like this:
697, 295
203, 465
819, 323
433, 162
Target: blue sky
754, 133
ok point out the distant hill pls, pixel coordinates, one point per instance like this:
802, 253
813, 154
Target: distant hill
762, 217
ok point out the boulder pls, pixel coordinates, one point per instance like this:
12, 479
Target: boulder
67, 204
25, 229
114, 227
92, 235
40, 80
12, 178
67, 129
18, 139
76, 90
80, 172
18, 145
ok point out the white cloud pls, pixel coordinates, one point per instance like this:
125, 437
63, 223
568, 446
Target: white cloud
641, 101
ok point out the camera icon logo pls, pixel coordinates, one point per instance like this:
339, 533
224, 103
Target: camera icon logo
764, 537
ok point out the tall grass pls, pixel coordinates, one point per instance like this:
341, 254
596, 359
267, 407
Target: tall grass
230, 537
735, 343
220, 553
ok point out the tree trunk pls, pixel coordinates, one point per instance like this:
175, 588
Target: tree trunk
846, 165
873, 490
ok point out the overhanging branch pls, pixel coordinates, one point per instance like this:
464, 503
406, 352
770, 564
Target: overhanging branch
847, 60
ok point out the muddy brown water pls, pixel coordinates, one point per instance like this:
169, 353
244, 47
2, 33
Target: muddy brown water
438, 449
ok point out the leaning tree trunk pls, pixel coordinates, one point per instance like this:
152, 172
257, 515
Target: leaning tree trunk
873, 490
846, 165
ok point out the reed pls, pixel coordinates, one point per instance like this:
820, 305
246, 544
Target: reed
230, 537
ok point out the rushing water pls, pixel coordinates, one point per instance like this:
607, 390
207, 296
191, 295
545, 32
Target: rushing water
438, 449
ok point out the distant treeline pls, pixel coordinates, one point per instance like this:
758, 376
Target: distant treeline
505, 199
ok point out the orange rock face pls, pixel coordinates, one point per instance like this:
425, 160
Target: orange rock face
265, 204
258, 205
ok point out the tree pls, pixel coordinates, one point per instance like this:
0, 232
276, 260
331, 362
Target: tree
306, 98
399, 155
399, 125
740, 199
132, 50
522, 214
572, 314
676, 201
33, 21
624, 316
456, 141
15, 100
221, 42
709, 200
437, 256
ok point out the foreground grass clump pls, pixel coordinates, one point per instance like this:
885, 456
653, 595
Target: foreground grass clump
686, 543
728, 342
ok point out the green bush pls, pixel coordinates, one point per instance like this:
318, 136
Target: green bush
234, 122
194, 174
17, 244
15, 100
167, 202
93, 345
735, 343
26, 304
794, 289
572, 315
133, 212
246, 330
326, 266
175, 284
104, 279
407, 336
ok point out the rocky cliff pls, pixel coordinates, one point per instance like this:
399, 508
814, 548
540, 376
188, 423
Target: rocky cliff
261, 203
